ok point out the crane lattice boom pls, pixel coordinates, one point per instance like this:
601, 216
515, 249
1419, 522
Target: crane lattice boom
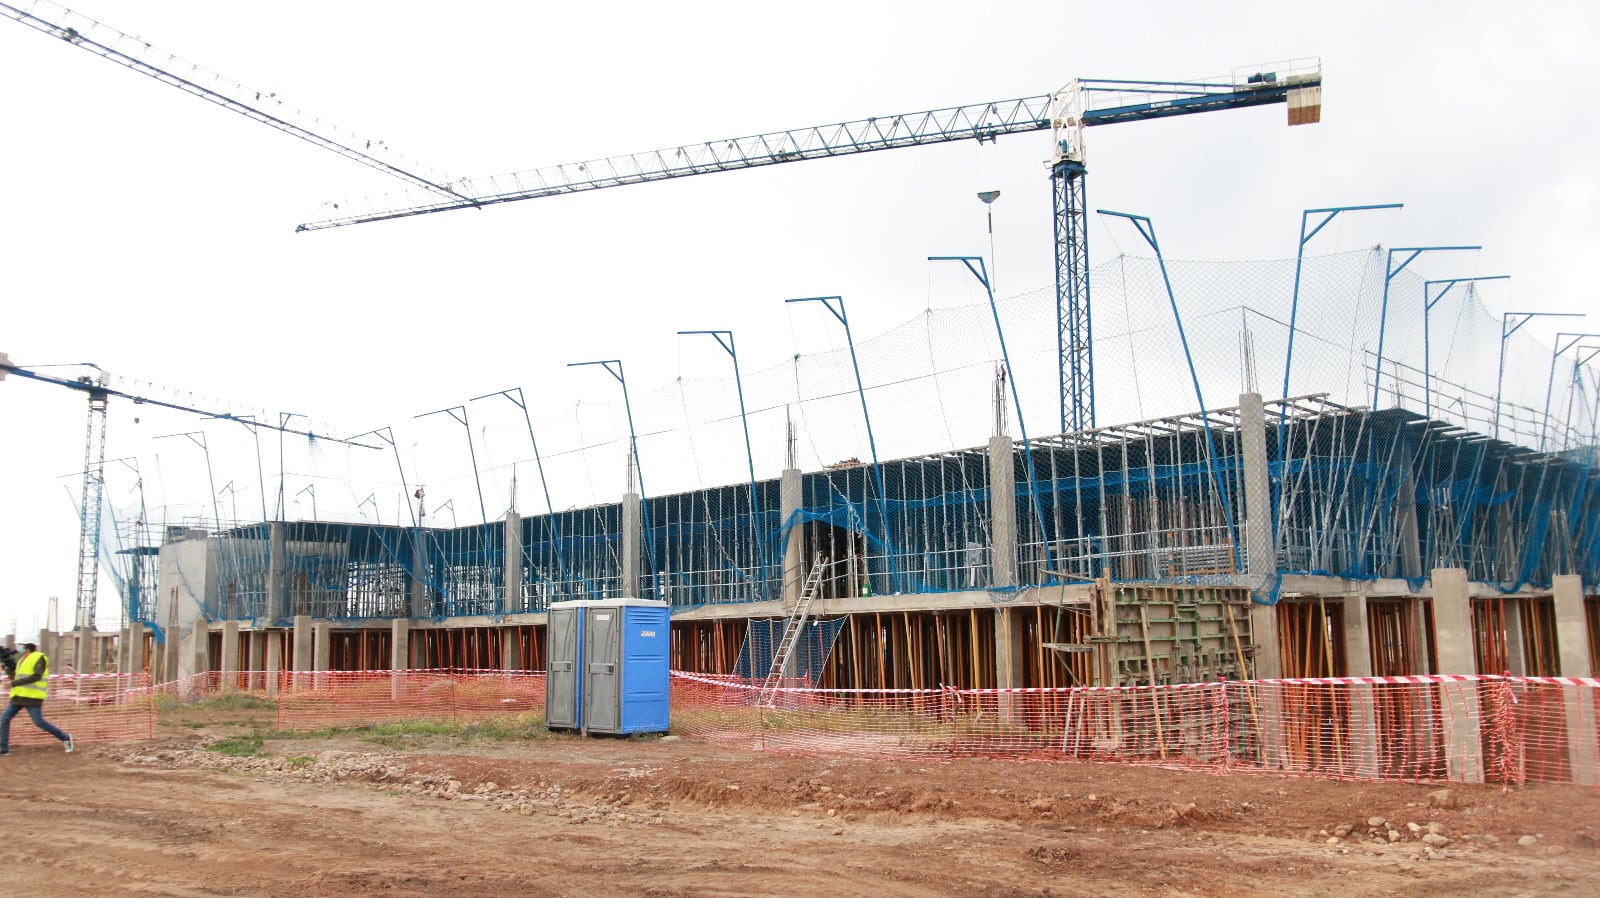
262, 106
1083, 103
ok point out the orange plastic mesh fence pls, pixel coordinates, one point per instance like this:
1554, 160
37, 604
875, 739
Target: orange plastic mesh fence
1404, 729
92, 708
321, 700
1398, 729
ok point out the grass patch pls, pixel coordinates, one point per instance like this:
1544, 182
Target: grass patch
398, 733
227, 701
237, 747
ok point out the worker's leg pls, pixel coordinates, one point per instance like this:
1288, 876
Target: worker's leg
5, 726
35, 712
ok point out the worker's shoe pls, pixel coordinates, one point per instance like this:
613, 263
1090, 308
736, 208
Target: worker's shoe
5, 751
66, 743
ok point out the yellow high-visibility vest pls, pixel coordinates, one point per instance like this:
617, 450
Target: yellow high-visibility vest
28, 665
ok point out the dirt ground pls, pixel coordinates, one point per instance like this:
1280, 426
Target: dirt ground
558, 815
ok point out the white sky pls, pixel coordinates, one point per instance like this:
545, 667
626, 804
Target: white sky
152, 233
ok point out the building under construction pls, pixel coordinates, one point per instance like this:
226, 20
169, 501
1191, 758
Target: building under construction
1281, 539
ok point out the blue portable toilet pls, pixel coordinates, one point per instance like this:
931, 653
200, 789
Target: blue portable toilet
608, 666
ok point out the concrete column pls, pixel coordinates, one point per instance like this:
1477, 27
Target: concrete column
321, 645
1257, 552
511, 598
84, 650
274, 661
1516, 639
400, 644
399, 656
1572, 643
1357, 643
199, 652
302, 642
133, 660
630, 546
419, 577
172, 648
1268, 654
1007, 658
1267, 711
1421, 661
510, 648
791, 499
1458, 702
258, 658
1358, 663
1572, 637
277, 577
1452, 622
1002, 515
1410, 538
230, 654
1260, 560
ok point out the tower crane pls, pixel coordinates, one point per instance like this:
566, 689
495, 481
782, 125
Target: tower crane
99, 392
1082, 103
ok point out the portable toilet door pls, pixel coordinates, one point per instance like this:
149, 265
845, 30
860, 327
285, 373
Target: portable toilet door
602, 669
626, 667
561, 706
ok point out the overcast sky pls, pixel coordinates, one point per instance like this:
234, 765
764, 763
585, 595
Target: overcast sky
153, 233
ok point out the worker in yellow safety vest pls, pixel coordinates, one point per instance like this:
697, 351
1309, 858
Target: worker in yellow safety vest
28, 688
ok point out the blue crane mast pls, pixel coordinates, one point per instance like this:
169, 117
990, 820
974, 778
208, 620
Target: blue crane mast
1082, 103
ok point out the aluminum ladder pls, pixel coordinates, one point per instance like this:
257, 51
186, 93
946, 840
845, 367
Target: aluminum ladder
791, 633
